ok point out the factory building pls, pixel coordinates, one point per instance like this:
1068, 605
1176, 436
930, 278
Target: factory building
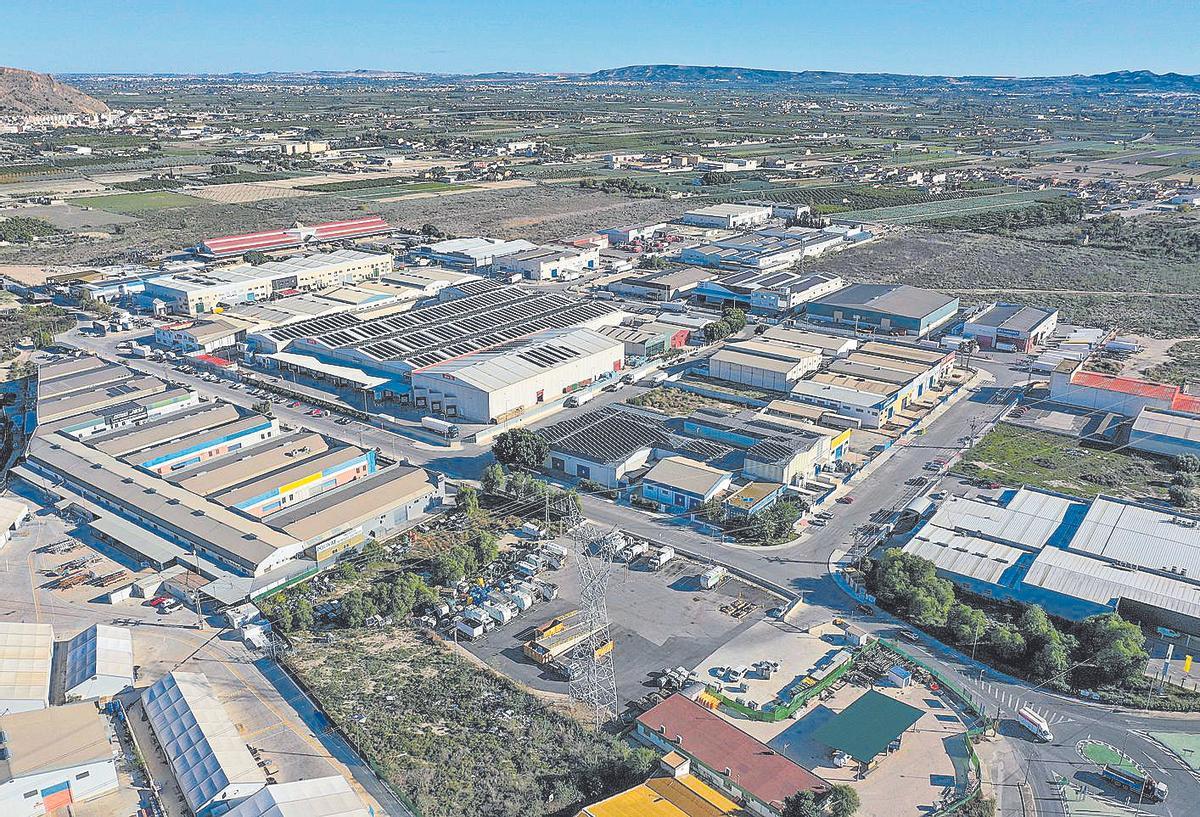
778, 449
207, 291
13, 516
471, 254
99, 663
830, 346
728, 216
1166, 433
1072, 385
664, 285
862, 408
1074, 557
301, 479
724, 756
214, 769
1011, 327
506, 380
762, 251
684, 484
26, 652
632, 233
199, 336
316, 797
54, 759
131, 413
231, 246
763, 365
647, 340
888, 308
771, 292
548, 263
392, 346
372, 507
605, 445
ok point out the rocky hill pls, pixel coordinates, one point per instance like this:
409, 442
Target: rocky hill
26, 93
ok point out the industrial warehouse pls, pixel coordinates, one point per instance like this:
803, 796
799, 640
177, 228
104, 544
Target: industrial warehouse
1075, 558
224, 491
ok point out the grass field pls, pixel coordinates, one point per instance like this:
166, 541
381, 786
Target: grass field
134, 203
1018, 456
1184, 744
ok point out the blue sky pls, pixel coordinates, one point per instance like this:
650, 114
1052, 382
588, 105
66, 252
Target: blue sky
1001, 37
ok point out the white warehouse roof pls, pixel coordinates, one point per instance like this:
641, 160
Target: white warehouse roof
26, 650
208, 757
522, 359
99, 661
319, 797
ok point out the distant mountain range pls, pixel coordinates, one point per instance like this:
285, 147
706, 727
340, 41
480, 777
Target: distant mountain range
26, 93
701, 76
832, 80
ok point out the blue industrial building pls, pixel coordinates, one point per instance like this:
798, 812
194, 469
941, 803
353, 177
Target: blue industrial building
892, 308
1075, 558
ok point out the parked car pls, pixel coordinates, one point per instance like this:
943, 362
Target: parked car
294, 404
1167, 632
846, 500
909, 635
865, 609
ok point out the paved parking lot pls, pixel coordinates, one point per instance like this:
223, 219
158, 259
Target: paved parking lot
659, 620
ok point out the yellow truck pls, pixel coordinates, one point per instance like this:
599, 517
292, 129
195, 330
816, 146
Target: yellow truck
558, 637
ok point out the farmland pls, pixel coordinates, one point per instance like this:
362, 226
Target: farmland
135, 203
455, 739
924, 211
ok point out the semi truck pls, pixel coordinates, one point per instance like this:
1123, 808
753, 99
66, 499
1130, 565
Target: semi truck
1035, 723
446, 429
1141, 784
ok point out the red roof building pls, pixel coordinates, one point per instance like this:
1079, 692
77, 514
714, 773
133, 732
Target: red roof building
1073, 385
725, 756
295, 236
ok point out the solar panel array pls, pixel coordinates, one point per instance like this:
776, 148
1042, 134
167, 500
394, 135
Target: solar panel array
607, 435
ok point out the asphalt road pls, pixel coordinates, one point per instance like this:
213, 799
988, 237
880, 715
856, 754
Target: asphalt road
802, 568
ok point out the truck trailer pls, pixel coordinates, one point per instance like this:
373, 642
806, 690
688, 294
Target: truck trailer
448, 430
1035, 723
1143, 785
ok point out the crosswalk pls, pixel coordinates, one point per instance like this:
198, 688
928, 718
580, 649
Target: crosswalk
1012, 702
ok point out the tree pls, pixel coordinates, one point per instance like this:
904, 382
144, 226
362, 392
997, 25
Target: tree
347, 571
714, 510
446, 568
1050, 661
354, 609
1115, 649
1036, 628
263, 407
967, 625
928, 606
653, 262
735, 317
283, 617
717, 330
467, 500
801, 804
493, 479
1005, 641
304, 614
487, 549
521, 447
373, 553
255, 258
843, 800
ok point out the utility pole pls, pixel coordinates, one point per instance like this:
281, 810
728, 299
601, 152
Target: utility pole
193, 592
592, 679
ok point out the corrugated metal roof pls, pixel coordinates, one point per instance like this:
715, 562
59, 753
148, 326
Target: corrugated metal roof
1126, 532
1081, 576
99, 650
964, 555
26, 650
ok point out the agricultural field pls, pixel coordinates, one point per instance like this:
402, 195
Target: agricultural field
912, 213
135, 203
454, 738
1019, 456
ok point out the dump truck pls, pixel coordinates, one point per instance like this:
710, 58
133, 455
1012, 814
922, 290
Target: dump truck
661, 557
1141, 784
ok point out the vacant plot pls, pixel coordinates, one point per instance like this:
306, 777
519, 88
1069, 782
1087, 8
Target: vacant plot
1090, 285
455, 738
396, 190
243, 192
1018, 456
133, 203
679, 403
1182, 364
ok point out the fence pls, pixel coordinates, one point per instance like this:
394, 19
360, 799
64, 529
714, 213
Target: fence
974, 787
779, 713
